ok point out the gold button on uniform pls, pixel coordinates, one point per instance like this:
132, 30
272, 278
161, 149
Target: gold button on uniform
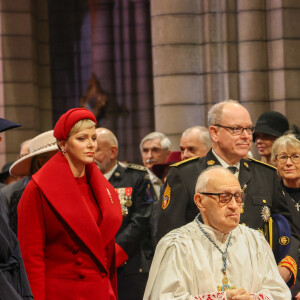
264, 201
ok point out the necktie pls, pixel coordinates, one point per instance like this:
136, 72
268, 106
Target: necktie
232, 169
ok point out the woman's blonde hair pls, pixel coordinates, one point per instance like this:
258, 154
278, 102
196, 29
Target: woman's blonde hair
81, 125
286, 143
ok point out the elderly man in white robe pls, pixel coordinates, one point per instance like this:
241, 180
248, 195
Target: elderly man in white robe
217, 259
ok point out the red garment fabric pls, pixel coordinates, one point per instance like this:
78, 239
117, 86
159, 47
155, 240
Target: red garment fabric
88, 197
66, 254
121, 256
68, 119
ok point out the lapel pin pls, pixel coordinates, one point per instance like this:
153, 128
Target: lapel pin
109, 195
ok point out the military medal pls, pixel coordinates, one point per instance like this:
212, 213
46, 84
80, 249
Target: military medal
128, 193
265, 213
123, 200
225, 286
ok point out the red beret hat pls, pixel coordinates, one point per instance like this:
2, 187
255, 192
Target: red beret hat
68, 119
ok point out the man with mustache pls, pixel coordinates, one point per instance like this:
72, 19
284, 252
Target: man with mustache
231, 131
155, 149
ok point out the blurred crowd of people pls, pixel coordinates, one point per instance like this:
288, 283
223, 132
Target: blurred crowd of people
87, 225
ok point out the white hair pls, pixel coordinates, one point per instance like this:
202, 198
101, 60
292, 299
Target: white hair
285, 142
215, 113
204, 135
165, 142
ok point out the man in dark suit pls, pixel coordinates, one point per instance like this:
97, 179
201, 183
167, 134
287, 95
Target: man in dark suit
231, 132
14, 284
134, 249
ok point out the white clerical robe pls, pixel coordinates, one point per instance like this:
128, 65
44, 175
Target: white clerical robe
187, 265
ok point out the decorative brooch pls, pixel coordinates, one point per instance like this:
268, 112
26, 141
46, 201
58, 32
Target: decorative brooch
265, 213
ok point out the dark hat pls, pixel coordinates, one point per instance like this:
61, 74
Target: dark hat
68, 119
279, 236
160, 169
6, 125
273, 123
5, 171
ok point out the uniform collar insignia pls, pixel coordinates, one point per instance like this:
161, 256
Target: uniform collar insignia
246, 165
211, 162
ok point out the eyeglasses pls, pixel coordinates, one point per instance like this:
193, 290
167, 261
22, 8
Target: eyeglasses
282, 158
227, 197
237, 130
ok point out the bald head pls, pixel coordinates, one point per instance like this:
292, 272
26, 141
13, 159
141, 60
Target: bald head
195, 141
106, 134
211, 182
107, 150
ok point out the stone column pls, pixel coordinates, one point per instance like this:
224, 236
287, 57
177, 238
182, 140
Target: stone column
25, 82
283, 29
194, 61
206, 51
252, 56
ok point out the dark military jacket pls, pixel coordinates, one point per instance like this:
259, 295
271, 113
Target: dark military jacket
134, 235
259, 181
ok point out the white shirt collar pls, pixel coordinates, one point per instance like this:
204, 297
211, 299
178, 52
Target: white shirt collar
108, 174
225, 164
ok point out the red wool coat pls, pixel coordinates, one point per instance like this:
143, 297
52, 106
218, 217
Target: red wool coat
66, 254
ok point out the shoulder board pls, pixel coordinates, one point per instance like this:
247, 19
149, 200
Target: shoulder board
184, 161
137, 167
261, 162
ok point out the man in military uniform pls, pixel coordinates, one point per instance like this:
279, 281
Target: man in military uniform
134, 249
231, 132
155, 149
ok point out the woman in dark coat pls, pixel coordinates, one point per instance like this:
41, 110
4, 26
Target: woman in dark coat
69, 215
286, 155
13, 279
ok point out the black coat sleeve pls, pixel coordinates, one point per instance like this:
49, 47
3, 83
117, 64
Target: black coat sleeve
136, 223
174, 204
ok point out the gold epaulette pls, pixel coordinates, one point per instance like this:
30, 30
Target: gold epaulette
261, 162
137, 167
184, 161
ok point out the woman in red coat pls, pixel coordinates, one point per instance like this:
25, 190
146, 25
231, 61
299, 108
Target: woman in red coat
68, 217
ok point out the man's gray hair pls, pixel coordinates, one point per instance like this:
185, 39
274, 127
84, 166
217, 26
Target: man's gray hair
204, 135
204, 177
214, 115
165, 142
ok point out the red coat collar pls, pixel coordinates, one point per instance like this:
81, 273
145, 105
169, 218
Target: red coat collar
58, 184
